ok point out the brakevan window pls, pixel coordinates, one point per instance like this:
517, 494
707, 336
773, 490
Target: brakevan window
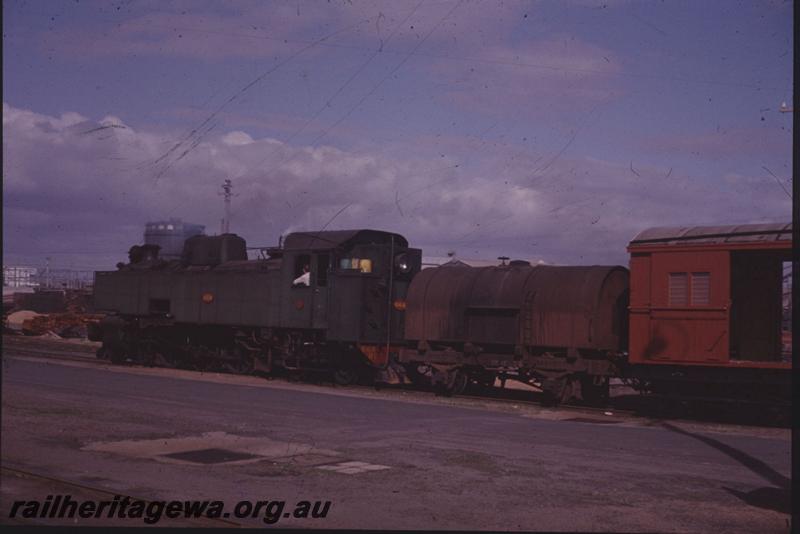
687, 289
678, 289
701, 289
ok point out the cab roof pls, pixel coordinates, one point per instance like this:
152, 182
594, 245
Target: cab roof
340, 239
741, 233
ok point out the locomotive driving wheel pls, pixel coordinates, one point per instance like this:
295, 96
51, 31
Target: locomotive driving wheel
238, 362
247, 364
345, 376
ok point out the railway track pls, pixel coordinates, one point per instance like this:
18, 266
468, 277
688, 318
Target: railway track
56, 485
90, 359
620, 406
52, 346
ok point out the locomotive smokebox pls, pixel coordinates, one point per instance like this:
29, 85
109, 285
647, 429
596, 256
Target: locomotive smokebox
516, 305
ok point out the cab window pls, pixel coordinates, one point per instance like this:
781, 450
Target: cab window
363, 265
323, 261
302, 271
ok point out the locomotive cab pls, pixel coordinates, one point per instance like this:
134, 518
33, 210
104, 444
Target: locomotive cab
357, 287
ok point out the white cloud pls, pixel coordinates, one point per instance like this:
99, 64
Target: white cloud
557, 74
236, 138
66, 190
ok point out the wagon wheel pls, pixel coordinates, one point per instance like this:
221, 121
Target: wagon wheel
459, 382
482, 381
594, 390
455, 383
554, 390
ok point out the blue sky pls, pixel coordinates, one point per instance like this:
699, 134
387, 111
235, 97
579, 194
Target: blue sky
551, 130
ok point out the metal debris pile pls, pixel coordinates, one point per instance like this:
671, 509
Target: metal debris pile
66, 325
55, 313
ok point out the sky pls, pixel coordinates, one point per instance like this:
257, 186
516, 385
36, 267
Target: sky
546, 130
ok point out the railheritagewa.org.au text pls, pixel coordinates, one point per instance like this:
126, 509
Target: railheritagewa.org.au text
151, 512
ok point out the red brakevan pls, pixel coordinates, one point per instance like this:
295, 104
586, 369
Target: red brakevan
711, 296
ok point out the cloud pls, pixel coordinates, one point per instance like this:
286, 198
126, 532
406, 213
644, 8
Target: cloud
747, 143
547, 77
193, 30
211, 31
237, 138
77, 186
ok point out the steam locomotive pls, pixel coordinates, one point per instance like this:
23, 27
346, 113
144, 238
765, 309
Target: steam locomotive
699, 311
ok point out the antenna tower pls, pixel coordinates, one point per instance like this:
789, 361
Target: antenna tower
227, 186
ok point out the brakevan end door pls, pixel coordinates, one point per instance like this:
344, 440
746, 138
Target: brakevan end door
680, 307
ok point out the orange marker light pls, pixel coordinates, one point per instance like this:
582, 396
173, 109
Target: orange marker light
400, 305
207, 298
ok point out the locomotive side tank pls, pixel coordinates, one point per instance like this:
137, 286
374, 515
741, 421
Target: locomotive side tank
545, 325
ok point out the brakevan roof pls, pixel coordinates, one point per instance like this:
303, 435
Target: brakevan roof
339, 238
741, 233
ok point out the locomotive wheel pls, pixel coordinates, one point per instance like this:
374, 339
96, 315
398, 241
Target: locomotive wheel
417, 374
160, 360
117, 356
243, 366
345, 376
247, 365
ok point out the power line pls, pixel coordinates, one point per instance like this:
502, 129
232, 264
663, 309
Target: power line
333, 96
192, 133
